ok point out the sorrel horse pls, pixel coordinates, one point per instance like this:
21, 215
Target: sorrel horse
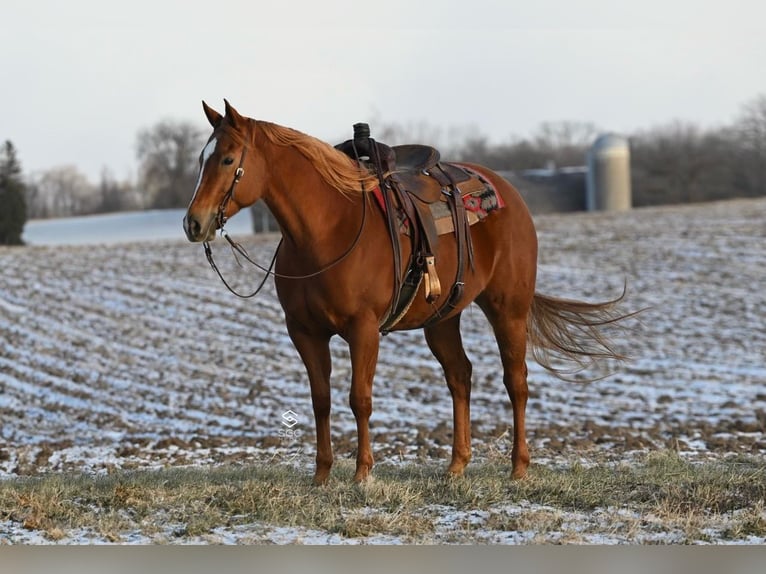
334, 268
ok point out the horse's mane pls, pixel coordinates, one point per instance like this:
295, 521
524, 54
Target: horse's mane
335, 167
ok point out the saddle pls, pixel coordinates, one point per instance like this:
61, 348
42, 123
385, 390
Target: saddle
412, 178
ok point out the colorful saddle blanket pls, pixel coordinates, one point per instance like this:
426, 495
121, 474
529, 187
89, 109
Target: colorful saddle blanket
479, 197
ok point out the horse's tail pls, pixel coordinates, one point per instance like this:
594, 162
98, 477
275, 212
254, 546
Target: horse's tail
572, 331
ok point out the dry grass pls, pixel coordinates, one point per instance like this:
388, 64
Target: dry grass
662, 494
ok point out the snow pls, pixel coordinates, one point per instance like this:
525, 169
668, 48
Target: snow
115, 345
116, 228
551, 525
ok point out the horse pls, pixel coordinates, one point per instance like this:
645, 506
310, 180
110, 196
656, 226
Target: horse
333, 275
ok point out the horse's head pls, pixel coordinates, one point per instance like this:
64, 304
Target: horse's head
222, 186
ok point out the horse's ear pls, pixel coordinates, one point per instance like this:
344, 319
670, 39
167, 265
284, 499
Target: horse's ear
212, 116
232, 115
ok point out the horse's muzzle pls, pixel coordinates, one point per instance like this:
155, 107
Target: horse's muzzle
196, 230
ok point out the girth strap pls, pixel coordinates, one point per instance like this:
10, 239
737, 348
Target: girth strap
462, 240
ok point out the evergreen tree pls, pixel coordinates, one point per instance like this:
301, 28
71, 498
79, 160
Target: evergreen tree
13, 208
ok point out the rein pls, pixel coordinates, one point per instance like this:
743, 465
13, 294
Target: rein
237, 248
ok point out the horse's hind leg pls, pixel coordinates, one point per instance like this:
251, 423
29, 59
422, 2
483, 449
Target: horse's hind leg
445, 343
511, 334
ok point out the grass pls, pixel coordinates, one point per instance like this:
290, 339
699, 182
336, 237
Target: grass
661, 494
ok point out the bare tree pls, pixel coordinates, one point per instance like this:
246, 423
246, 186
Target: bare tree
679, 162
750, 131
60, 192
562, 144
167, 153
565, 142
395, 133
113, 195
36, 207
449, 140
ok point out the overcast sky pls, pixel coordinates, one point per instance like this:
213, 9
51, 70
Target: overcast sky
79, 78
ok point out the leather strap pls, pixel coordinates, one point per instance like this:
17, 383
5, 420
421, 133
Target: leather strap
462, 240
221, 216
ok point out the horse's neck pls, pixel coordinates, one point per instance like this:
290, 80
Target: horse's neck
308, 210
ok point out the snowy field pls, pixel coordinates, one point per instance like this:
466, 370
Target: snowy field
134, 355
115, 228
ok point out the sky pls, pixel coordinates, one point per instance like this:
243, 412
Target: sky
79, 79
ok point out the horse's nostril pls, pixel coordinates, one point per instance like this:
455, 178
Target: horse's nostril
192, 227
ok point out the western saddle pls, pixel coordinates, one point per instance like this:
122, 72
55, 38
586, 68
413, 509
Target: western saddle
411, 178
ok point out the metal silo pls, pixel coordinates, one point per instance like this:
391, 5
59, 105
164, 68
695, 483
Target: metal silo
608, 182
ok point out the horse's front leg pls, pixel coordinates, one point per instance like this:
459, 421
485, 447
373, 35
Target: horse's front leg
363, 341
315, 352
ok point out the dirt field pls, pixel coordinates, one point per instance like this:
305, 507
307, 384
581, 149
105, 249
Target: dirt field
135, 356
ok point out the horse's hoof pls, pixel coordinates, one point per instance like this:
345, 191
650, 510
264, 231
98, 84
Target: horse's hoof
519, 473
456, 469
362, 475
320, 478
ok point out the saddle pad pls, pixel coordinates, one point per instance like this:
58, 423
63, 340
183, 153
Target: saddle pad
479, 197
478, 205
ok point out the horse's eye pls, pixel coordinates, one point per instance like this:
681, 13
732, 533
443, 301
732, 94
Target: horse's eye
228, 160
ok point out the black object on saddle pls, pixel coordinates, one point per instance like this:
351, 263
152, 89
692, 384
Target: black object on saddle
411, 177
366, 150
410, 157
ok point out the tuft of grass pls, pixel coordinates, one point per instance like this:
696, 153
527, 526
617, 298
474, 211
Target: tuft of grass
540, 521
663, 491
751, 522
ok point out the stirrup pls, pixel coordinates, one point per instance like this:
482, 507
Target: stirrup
433, 286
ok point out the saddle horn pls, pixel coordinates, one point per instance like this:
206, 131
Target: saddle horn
365, 149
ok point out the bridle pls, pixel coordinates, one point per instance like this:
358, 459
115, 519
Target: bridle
236, 248
220, 217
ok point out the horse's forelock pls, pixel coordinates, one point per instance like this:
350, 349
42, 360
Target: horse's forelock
227, 132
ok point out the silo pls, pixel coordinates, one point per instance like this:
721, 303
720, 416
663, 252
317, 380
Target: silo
608, 182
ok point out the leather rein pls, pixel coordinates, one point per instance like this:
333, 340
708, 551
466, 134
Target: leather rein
237, 248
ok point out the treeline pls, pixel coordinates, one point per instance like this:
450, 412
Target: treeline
672, 163
677, 162
167, 169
